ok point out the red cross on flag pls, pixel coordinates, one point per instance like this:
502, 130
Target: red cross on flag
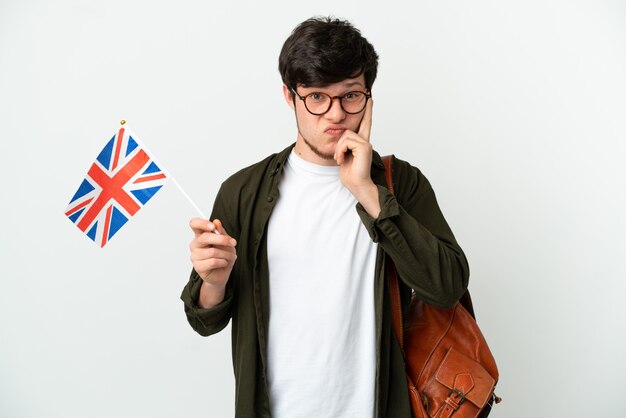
121, 180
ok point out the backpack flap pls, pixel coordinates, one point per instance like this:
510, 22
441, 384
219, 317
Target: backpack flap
466, 377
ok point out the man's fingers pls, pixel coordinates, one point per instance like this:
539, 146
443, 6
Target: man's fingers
219, 226
206, 266
202, 254
366, 123
199, 226
343, 146
349, 142
208, 239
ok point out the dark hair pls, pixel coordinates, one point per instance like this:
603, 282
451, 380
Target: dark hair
324, 50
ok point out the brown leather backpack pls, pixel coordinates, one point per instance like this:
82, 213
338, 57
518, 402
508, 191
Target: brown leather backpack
451, 372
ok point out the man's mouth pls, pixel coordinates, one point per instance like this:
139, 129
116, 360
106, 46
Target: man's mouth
335, 130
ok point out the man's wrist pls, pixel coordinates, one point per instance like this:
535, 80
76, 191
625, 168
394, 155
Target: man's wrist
368, 197
210, 295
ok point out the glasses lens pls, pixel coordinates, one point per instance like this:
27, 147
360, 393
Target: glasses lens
320, 103
353, 102
317, 103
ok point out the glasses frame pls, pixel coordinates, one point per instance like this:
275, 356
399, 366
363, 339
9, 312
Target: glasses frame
332, 98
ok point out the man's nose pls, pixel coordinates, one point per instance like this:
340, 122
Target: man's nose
336, 112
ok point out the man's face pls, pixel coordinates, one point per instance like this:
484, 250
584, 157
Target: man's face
318, 134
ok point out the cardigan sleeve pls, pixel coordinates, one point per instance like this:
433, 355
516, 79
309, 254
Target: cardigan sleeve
205, 321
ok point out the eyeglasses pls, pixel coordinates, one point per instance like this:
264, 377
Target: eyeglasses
318, 103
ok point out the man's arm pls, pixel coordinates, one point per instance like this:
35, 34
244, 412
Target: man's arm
415, 234
413, 231
207, 295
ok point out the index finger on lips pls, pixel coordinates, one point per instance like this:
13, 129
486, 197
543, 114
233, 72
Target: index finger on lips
366, 122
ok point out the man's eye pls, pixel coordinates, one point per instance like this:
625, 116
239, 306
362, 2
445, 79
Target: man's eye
352, 96
318, 97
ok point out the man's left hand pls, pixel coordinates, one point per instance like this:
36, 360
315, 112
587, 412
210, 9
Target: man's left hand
354, 156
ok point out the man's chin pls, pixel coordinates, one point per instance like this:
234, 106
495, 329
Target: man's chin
327, 154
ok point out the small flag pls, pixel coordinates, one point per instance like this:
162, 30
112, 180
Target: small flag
121, 180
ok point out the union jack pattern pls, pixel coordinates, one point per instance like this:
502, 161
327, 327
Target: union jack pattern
121, 180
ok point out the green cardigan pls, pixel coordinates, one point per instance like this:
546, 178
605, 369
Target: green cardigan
410, 228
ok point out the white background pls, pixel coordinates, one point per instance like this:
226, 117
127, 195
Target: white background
516, 112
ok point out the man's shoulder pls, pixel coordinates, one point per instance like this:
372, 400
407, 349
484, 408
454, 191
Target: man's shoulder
403, 168
256, 172
408, 179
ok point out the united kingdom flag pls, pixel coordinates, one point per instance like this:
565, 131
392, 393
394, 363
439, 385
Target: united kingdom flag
121, 180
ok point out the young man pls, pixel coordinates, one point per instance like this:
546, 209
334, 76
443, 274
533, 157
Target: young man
295, 251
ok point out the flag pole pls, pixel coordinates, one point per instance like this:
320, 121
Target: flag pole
169, 175
188, 198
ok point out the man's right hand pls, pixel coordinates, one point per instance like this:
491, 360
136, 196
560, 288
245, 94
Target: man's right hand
213, 256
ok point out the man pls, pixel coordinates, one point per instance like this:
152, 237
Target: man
294, 253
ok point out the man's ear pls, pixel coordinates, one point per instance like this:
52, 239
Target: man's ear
289, 98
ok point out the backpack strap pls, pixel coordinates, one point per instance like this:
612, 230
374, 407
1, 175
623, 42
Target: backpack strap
392, 275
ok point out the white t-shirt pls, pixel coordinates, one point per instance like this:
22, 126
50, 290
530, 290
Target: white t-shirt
321, 342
